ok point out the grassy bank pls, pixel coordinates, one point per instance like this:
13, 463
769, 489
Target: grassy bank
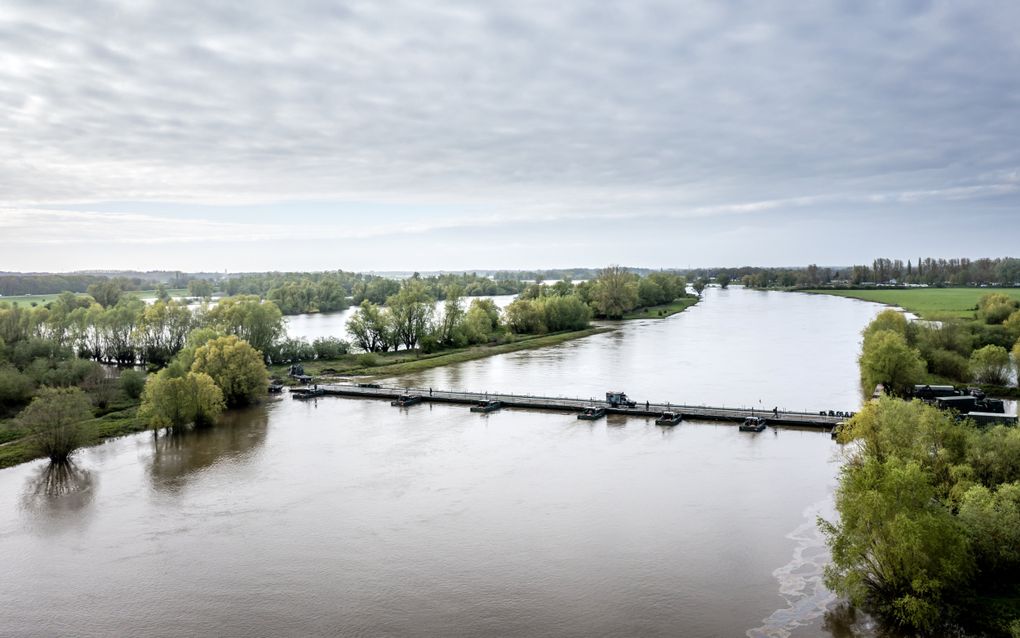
403, 362
113, 424
665, 310
927, 303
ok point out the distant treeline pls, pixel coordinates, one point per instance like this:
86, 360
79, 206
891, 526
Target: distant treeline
297, 293
19, 284
1004, 271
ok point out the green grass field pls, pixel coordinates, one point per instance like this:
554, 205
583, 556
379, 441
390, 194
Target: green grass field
928, 303
42, 300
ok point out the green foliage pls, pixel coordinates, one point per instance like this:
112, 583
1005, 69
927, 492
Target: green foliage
53, 420
948, 364
260, 323
292, 351
995, 308
724, 281
16, 388
371, 328
201, 288
236, 368
888, 320
614, 292
887, 359
411, 312
132, 382
699, 284
990, 365
173, 401
929, 519
330, 347
106, 293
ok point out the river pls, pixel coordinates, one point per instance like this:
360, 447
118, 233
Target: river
349, 517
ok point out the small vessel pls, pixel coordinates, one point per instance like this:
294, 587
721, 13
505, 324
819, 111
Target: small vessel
405, 400
753, 424
275, 388
307, 393
487, 406
669, 418
592, 414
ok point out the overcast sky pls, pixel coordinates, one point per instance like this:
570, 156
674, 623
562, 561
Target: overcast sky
403, 135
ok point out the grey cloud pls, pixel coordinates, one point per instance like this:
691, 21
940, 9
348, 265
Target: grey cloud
644, 106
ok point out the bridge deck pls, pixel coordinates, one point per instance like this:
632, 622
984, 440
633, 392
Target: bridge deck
804, 419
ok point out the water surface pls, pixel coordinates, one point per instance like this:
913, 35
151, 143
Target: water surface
349, 517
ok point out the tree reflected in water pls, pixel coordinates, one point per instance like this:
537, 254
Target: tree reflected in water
57, 495
180, 454
846, 621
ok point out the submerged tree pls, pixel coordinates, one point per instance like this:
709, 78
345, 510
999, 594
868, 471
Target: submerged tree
54, 421
174, 400
235, 367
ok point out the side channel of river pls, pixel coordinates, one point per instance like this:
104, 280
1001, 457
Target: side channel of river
349, 517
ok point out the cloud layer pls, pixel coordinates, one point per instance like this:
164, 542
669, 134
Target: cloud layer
502, 112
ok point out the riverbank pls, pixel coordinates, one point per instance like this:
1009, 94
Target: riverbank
927, 303
119, 422
122, 419
663, 311
384, 364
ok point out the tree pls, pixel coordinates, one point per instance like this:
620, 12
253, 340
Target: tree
888, 319
106, 293
990, 365
236, 368
699, 285
162, 294
411, 311
996, 307
16, 388
132, 382
614, 292
887, 359
523, 316
724, 281
482, 321
897, 548
53, 420
450, 330
260, 323
371, 328
174, 400
201, 288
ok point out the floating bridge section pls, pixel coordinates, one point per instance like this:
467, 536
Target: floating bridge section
561, 404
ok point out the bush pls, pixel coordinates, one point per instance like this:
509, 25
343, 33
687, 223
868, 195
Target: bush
132, 382
949, 364
15, 388
990, 365
367, 360
330, 347
291, 351
24, 353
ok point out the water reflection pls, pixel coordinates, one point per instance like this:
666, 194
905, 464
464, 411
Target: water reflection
181, 454
58, 494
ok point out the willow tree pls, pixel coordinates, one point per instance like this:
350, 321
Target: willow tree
615, 292
236, 368
54, 421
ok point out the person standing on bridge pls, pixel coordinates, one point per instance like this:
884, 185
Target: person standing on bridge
775, 411
646, 406
430, 391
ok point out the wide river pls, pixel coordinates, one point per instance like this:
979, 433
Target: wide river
351, 518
